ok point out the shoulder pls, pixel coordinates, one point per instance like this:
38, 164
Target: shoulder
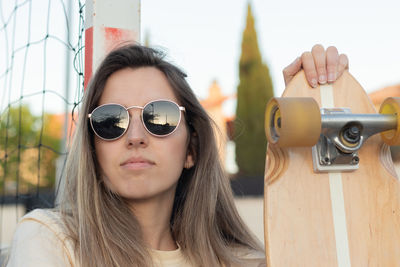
40, 240
40, 224
43, 217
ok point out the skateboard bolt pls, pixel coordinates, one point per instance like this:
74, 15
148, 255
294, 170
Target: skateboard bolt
355, 160
354, 131
352, 134
326, 161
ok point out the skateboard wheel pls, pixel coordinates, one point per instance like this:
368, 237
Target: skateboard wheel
391, 105
292, 121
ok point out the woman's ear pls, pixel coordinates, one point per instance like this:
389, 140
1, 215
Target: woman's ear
191, 151
189, 162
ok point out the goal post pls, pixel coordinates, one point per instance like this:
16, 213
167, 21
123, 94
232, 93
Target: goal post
107, 25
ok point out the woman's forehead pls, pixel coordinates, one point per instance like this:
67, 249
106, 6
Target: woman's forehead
137, 87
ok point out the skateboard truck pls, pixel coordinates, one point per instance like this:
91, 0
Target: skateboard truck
343, 134
335, 134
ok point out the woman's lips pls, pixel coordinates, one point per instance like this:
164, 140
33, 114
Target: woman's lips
137, 163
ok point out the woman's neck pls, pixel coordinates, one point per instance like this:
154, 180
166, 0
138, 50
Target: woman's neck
154, 218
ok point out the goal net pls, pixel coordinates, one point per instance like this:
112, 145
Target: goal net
41, 86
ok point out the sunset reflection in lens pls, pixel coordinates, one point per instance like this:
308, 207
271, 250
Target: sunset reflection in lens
161, 117
110, 121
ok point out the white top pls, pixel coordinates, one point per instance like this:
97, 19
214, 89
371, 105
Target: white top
40, 240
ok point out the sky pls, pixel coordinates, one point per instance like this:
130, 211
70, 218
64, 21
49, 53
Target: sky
204, 39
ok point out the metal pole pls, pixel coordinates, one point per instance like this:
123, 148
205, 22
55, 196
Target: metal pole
59, 185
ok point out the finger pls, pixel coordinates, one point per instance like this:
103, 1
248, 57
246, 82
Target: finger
290, 71
332, 62
343, 64
318, 53
307, 61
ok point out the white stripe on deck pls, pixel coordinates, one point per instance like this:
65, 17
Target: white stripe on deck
337, 199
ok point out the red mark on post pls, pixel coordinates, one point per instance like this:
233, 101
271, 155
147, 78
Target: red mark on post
115, 37
88, 55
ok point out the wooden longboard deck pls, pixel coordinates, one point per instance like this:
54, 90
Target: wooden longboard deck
332, 219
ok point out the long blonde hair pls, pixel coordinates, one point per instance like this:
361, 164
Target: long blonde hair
204, 220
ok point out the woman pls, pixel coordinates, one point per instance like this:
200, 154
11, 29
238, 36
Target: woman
144, 184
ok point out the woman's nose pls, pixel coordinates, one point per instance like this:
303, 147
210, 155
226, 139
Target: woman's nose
136, 134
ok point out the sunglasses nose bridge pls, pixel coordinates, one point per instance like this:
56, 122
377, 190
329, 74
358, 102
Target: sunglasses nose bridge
135, 120
134, 107
131, 111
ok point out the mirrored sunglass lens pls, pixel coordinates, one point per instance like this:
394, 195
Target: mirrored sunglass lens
161, 117
110, 121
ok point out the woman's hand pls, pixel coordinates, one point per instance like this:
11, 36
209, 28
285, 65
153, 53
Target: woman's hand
320, 65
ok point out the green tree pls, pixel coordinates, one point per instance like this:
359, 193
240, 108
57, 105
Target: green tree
254, 91
28, 150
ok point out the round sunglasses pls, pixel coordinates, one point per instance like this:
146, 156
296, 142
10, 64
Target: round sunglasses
159, 117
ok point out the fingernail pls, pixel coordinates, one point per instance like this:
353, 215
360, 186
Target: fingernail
314, 83
322, 79
331, 77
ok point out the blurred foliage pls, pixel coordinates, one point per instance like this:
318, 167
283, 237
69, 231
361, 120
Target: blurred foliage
254, 91
29, 147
